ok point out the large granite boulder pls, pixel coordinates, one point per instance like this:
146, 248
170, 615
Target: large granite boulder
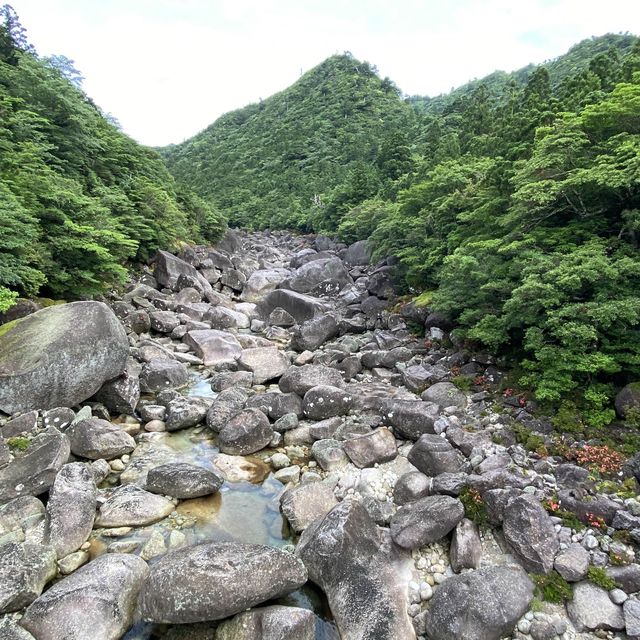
359, 253
305, 503
314, 332
261, 282
479, 605
213, 346
95, 438
22, 520
433, 455
529, 530
270, 623
122, 394
245, 433
299, 306
24, 571
71, 509
445, 394
60, 356
425, 521
96, 602
410, 419
371, 448
591, 609
215, 580
130, 506
362, 575
328, 276
325, 401
266, 363
168, 268
300, 379
183, 481
162, 373
33, 471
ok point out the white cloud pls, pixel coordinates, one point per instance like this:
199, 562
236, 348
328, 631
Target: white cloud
168, 68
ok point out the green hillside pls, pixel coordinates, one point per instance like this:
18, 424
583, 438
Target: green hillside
515, 200
267, 163
78, 198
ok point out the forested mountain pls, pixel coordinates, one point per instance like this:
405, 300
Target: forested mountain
78, 198
266, 164
514, 202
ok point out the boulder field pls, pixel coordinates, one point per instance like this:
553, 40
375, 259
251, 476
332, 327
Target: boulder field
400, 498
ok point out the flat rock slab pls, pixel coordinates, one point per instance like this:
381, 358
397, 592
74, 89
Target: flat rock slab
266, 363
215, 580
214, 346
96, 602
298, 305
34, 470
24, 571
130, 506
479, 605
60, 356
376, 447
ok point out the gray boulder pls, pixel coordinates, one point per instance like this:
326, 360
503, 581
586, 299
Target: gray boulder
185, 412
228, 404
329, 454
9, 630
466, 546
215, 580
24, 571
313, 333
270, 623
433, 455
325, 401
168, 268
96, 602
71, 509
326, 276
410, 419
591, 609
245, 433
183, 481
300, 379
359, 253
529, 531
425, 521
159, 374
94, 438
361, 574
60, 356
22, 520
445, 394
261, 282
130, 506
164, 321
411, 487
213, 347
122, 394
628, 398
572, 563
305, 503
266, 363
299, 306
376, 447
479, 605
33, 471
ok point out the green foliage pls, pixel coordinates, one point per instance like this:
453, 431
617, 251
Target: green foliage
530, 441
7, 299
18, 443
462, 382
599, 577
474, 506
552, 587
306, 156
78, 199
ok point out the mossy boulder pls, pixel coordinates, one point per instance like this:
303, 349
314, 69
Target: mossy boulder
60, 356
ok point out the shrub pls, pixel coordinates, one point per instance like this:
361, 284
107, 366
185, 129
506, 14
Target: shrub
474, 506
552, 587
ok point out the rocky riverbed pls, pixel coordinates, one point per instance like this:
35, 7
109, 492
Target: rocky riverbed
253, 442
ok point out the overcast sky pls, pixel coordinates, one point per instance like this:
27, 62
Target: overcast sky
168, 68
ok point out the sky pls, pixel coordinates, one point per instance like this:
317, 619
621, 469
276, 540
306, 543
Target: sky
166, 69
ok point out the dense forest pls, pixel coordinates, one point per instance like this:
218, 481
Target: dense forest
513, 203
78, 198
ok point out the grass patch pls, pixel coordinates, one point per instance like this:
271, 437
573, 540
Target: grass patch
18, 443
552, 587
424, 299
599, 577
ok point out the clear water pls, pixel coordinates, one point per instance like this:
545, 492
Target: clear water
244, 511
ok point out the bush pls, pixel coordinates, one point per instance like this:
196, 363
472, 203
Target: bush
474, 505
